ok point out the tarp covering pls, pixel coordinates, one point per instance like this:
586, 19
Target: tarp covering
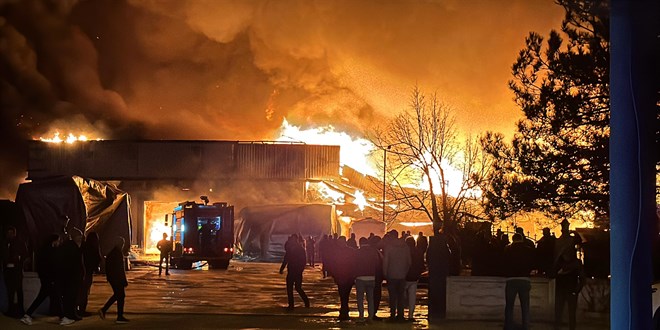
261, 231
89, 205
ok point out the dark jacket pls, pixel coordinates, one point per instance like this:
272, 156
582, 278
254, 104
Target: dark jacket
91, 258
367, 261
114, 268
47, 262
343, 263
519, 259
294, 259
13, 252
437, 255
417, 265
164, 246
71, 262
422, 244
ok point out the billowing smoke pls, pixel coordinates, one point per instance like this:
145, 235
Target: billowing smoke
233, 69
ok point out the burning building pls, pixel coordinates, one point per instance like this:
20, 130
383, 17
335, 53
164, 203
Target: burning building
159, 174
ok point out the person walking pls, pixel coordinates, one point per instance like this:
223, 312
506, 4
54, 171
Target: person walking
71, 275
396, 263
325, 245
12, 254
367, 262
91, 251
46, 263
519, 260
116, 276
294, 261
165, 248
310, 248
414, 273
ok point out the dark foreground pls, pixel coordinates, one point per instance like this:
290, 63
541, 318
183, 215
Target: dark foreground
247, 295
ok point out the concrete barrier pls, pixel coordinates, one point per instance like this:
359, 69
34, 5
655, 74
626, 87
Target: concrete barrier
482, 298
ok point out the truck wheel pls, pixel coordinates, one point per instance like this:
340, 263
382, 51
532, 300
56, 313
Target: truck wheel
187, 265
219, 264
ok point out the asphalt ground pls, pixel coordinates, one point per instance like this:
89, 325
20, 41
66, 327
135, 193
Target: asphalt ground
246, 296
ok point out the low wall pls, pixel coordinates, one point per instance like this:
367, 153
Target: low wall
482, 298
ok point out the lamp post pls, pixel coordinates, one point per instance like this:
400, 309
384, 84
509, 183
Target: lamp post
384, 176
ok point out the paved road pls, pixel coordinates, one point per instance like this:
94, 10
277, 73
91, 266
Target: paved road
247, 295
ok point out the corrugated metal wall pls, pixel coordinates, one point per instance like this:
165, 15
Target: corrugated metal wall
144, 160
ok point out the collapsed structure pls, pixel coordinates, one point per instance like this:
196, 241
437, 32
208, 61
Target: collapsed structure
160, 174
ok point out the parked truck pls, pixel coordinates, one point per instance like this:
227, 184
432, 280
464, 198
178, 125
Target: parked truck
202, 232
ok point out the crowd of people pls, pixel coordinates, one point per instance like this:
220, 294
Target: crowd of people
400, 260
365, 264
65, 264
551, 257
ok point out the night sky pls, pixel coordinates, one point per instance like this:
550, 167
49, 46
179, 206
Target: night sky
235, 69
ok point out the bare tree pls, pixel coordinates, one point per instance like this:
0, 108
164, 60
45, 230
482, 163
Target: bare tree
420, 146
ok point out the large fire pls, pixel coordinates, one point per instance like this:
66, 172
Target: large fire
356, 152
154, 219
68, 138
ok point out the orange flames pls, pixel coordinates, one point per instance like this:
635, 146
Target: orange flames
360, 201
356, 153
70, 138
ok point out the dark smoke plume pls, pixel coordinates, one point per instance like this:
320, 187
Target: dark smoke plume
233, 69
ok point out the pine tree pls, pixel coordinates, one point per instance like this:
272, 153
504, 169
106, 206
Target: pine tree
558, 161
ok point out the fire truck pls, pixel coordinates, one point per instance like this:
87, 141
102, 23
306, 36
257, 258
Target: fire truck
202, 232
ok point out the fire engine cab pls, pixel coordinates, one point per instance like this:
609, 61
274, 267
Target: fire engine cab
202, 232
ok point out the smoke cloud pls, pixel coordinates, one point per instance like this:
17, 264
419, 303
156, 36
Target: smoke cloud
233, 69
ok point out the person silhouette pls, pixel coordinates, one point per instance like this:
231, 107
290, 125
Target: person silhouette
46, 262
310, 247
294, 261
91, 251
13, 254
116, 276
519, 261
165, 247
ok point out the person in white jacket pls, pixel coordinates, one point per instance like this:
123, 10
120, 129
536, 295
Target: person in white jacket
396, 263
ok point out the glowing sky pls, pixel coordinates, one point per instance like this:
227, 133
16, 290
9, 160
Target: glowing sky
234, 69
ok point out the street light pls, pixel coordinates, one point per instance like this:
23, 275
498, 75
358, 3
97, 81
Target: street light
384, 176
385, 149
